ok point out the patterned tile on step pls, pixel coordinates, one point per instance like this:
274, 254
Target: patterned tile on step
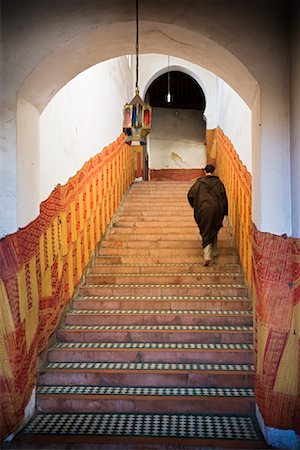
214, 286
156, 425
147, 391
158, 327
162, 297
152, 345
182, 274
157, 264
149, 366
161, 311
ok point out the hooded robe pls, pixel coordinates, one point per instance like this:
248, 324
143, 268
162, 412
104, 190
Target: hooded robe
208, 198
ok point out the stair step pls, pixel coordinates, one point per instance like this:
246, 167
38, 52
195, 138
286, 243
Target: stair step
194, 245
173, 251
164, 290
156, 333
160, 259
164, 278
151, 352
162, 429
187, 302
165, 235
158, 317
147, 374
144, 399
163, 268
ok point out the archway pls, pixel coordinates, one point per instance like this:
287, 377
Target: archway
105, 42
176, 146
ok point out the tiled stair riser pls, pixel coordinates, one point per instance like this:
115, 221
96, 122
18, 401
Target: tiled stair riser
161, 259
205, 278
144, 269
81, 335
87, 318
163, 290
139, 303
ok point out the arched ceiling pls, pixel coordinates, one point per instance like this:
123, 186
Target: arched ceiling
108, 41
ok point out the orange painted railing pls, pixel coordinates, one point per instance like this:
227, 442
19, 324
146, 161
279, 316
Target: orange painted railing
238, 184
41, 264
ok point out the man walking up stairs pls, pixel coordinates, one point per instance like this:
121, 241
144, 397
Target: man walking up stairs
156, 351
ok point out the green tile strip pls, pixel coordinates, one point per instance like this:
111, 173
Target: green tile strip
158, 328
147, 391
152, 345
149, 366
188, 426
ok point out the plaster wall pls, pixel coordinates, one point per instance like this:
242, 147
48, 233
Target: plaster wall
234, 118
84, 117
176, 140
295, 120
28, 163
244, 43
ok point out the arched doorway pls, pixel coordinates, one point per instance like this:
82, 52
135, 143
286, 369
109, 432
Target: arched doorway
177, 140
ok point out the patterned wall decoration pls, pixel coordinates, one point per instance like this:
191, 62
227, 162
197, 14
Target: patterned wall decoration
272, 268
41, 264
276, 275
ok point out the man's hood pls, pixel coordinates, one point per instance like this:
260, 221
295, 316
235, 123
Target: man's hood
209, 180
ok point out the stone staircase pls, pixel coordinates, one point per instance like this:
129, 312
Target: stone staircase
156, 351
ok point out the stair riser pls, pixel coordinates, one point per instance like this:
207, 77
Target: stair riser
143, 244
154, 336
166, 304
208, 290
226, 357
132, 223
177, 259
142, 378
155, 319
196, 405
164, 279
165, 235
174, 250
166, 269
168, 228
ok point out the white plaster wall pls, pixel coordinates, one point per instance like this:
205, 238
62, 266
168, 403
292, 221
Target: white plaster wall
295, 121
234, 118
176, 139
83, 118
28, 163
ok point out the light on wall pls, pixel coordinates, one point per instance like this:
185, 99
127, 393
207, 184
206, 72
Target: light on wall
136, 114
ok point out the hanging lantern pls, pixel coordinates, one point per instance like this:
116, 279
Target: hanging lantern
136, 120
136, 114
